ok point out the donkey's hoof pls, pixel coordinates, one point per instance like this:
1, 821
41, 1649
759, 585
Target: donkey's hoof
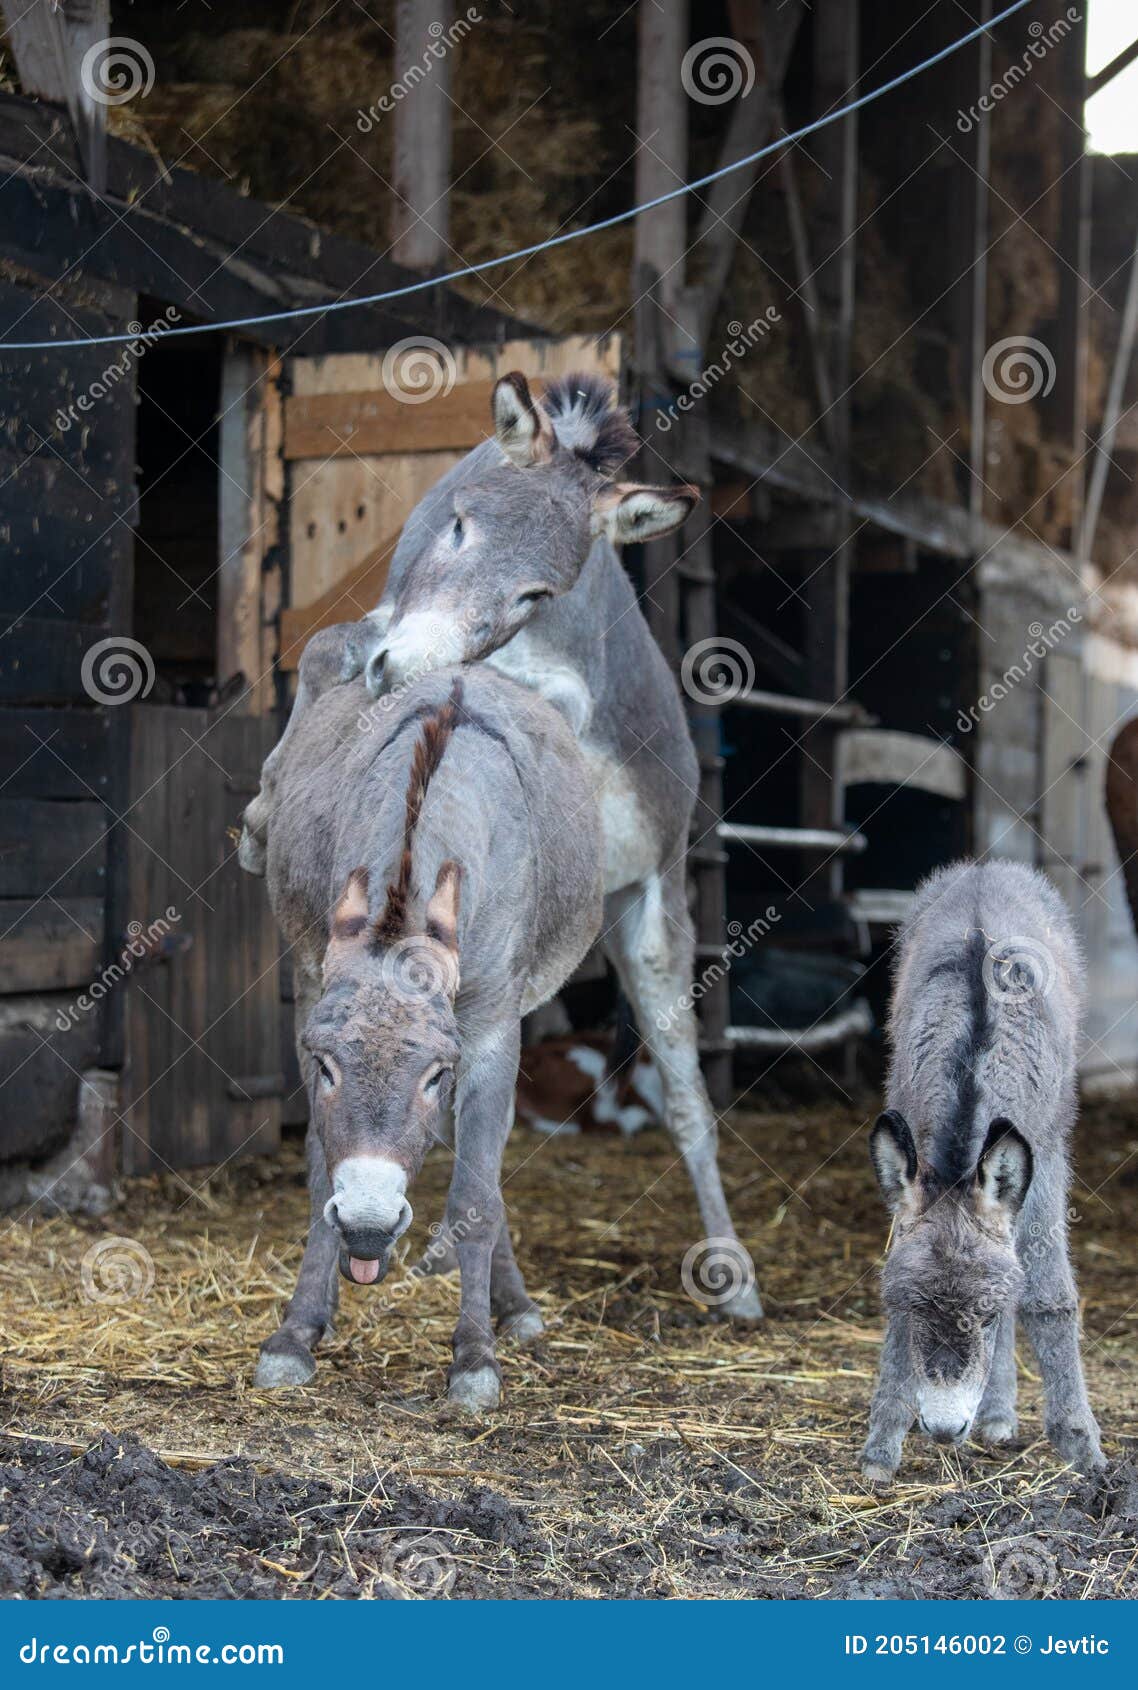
1078, 1446
745, 1305
999, 1429
476, 1392
878, 1467
285, 1367
523, 1328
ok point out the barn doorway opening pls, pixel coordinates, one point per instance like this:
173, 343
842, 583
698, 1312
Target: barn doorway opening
176, 535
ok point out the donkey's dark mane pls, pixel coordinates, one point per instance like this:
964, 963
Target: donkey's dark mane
595, 428
434, 737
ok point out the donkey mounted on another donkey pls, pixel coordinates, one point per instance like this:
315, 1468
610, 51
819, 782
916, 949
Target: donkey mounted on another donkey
436, 869
511, 559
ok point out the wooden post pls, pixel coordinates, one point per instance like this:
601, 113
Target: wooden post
247, 524
420, 214
970, 230
1068, 400
662, 134
836, 35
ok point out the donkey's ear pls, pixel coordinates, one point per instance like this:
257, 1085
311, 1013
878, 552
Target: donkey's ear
349, 930
522, 426
894, 1157
442, 916
625, 513
1004, 1171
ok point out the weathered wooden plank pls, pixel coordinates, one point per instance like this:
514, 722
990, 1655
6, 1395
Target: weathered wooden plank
333, 425
209, 1016
48, 943
56, 753
52, 847
42, 661
347, 601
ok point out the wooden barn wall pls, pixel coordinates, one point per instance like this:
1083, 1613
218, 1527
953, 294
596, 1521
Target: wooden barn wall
65, 572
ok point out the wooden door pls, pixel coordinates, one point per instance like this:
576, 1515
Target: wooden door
203, 1077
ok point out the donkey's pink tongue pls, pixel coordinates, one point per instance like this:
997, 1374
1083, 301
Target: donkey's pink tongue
364, 1273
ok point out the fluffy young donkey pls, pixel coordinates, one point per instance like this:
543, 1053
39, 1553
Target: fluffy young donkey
435, 864
972, 1158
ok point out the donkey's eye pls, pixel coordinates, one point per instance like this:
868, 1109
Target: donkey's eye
531, 596
434, 1080
325, 1072
456, 533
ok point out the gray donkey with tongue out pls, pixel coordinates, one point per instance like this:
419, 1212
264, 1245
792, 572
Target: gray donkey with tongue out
512, 559
435, 868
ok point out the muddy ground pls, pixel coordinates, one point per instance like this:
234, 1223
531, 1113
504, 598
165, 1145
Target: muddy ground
645, 1449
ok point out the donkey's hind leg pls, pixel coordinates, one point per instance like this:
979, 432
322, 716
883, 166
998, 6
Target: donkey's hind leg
649, 939
516, 1314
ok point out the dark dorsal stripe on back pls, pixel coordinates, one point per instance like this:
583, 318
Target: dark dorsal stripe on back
954, 1148
430, 747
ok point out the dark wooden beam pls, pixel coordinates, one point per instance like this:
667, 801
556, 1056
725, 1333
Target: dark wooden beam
1119, 63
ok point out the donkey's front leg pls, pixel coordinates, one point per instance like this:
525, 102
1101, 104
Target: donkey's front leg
286, 1357
1049, 1312
476, 1213
996, 1421
892, 1411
